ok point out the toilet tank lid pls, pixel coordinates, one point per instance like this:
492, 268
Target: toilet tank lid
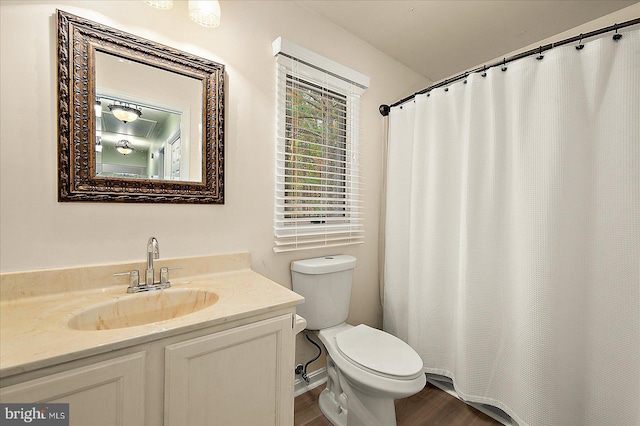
324, 265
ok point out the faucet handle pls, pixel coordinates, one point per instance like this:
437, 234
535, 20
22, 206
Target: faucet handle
134, 277
164, 274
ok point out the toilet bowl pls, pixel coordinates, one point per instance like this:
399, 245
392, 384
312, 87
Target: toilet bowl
366, 368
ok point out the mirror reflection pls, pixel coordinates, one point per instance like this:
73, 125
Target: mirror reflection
145, 144
144, 130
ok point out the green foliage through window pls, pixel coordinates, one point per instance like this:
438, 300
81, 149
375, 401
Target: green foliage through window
316, 153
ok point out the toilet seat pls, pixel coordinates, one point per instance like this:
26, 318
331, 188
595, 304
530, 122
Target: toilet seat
379, 352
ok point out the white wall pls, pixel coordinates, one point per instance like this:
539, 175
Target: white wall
37, 232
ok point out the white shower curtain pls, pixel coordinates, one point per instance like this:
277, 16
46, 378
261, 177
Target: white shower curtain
513, 234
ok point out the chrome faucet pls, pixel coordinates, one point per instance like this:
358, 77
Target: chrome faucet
153, 252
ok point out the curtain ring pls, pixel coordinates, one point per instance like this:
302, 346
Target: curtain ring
540, 55
484, 71
466, 74
504, 64
616, 36
580, 46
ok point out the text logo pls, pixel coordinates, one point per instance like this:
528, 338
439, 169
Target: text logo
34, 414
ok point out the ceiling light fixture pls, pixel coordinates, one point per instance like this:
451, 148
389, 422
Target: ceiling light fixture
125, 112
160, 4
205, 12
124, 147
202, 12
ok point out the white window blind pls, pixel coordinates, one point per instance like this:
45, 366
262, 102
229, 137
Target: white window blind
318, 200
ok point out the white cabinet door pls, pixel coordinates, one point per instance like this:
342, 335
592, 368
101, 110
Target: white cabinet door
242, 376
107, 393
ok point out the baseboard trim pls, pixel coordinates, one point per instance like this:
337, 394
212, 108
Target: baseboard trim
316, 378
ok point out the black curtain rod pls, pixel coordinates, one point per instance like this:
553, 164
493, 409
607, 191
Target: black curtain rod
384, 109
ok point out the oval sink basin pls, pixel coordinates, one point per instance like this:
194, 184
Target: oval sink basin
142, 308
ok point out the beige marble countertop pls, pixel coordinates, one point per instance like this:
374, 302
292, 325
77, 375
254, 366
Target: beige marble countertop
34, 331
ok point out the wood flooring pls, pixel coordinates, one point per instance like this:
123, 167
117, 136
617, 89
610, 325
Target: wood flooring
429, 407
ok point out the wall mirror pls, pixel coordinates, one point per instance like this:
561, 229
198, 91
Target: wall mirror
138, 121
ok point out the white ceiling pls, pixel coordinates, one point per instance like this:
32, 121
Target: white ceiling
439, 39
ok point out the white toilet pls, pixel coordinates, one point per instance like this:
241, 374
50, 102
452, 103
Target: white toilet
367, 368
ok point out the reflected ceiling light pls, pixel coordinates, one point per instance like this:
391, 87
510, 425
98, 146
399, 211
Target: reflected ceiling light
124, 147
160, 4
125, 112
98, 143
205, 12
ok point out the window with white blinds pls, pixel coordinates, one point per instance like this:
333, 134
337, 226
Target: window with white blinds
318, 200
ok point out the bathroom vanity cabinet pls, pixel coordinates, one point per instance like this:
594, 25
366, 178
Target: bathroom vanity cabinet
237, 373
152, 358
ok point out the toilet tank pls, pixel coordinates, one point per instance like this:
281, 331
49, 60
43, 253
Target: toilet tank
325, 283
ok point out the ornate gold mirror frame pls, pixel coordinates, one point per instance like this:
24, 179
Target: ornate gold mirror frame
78, 41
